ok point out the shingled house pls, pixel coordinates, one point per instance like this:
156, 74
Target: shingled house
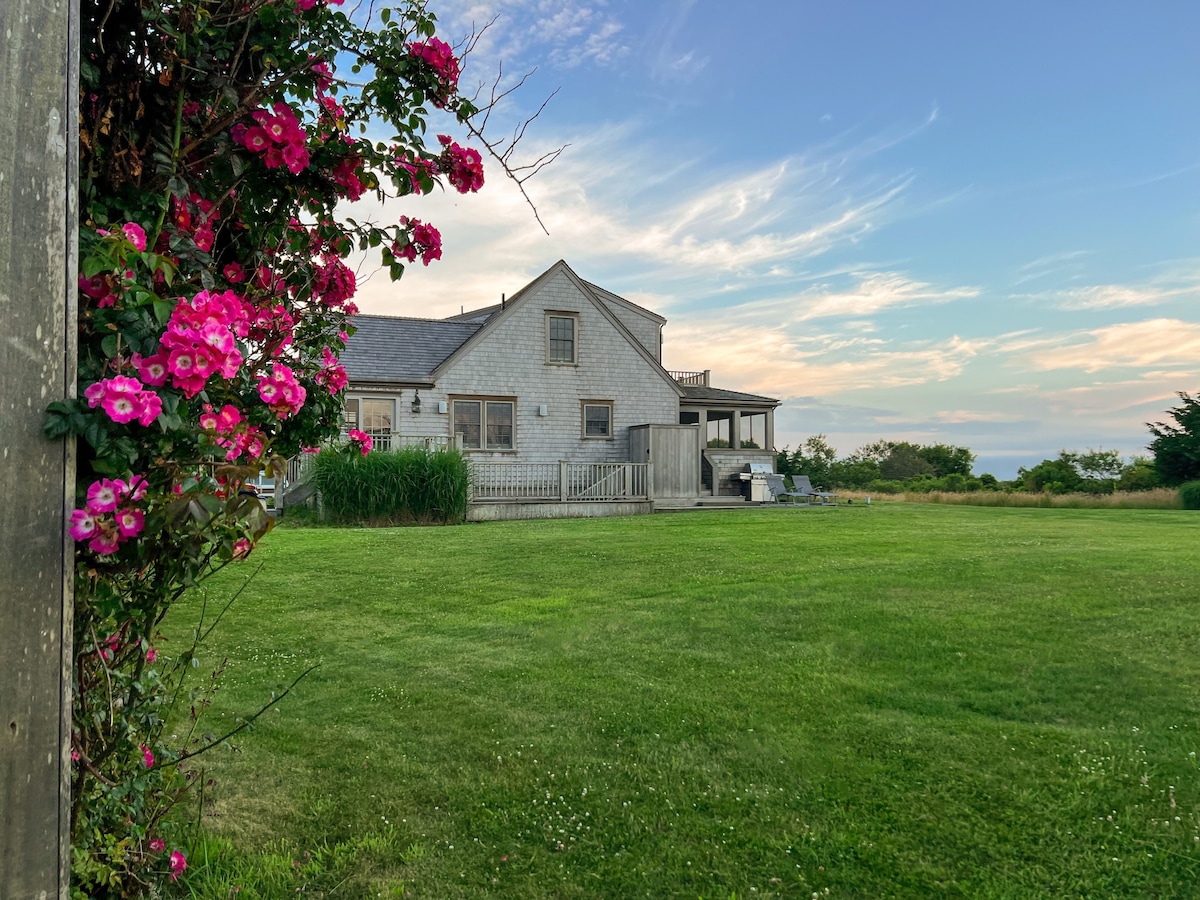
557, 395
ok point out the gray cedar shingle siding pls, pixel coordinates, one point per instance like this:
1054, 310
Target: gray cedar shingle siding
643, 324
510, 360
495, 352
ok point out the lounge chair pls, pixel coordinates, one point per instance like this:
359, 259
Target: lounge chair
779, 491
803, 488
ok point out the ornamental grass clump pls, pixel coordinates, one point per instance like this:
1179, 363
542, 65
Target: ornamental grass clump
1189, 495
400, 487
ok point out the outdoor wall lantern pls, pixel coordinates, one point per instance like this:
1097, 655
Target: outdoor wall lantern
416, 404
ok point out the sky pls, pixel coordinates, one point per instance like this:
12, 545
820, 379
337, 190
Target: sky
940, 222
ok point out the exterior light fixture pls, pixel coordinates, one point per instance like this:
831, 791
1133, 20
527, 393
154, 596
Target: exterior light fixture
416, 404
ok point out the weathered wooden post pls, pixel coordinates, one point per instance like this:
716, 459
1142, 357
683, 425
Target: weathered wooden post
38, 124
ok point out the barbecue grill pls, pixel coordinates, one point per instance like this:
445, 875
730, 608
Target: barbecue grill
754, 481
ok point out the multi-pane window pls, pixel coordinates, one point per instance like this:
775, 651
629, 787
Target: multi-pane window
499, 425
484, 424
377, 422
374, 416
349, 415
561, 338
597, 419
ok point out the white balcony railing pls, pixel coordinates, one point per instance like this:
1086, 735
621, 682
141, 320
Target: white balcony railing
560, 482
694, 379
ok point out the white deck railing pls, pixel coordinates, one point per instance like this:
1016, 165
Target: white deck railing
560, 482
697, 379
300, 467
393, 440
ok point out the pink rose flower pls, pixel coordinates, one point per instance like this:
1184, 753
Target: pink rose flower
361, 440
135, 235
178, 864
83, 525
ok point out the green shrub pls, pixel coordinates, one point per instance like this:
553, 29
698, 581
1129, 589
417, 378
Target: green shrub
1189, 495
405, 486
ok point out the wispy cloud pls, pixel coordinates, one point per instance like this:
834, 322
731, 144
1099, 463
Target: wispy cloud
561, 33
1113, 296
689, 230
773, 361
1070, 262
1160, 289
1152, 342
669, 63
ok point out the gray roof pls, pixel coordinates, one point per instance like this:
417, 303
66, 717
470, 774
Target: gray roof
478, 316
394, 349
606, 294
718, 395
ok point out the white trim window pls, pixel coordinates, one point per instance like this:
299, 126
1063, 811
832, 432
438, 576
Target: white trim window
378, 417
484, 423
373, 415
562, 338
597, 419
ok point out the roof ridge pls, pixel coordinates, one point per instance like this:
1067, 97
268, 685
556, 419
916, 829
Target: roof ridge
448, 321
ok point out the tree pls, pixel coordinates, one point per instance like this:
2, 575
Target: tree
814, 458
1176, 445
1139, 475
948, 459
1098, 464
903, 461
1053, 476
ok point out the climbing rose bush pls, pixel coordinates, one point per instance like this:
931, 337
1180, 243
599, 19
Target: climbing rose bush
222, 144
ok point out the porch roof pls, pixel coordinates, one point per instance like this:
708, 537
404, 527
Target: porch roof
702, 395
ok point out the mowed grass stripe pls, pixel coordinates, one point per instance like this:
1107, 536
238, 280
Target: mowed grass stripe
900, 700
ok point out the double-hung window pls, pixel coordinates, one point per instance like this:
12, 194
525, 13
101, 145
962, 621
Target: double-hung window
562, 338
598, 419
485, 424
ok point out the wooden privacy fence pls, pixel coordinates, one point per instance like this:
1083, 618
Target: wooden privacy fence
563, 481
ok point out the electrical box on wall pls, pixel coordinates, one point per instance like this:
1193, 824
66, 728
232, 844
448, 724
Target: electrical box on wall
442, 406
543, 410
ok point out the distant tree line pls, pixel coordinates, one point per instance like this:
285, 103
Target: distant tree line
888, 467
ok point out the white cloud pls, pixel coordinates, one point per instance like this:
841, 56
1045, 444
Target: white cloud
678, 227
1152, 342
527, 33
769, 360
1111, 296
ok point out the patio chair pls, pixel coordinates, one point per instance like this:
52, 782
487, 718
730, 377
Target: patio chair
803, 488
779, 491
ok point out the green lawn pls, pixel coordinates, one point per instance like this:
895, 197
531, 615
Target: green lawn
895, 701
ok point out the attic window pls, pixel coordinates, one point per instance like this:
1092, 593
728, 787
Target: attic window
561, 338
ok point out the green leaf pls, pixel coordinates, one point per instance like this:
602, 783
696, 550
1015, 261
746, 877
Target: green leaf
110, 345
163, 310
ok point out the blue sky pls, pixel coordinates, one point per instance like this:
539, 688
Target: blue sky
939, 222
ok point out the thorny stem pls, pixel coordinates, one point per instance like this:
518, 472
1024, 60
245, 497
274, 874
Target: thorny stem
162, 213
248, 722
